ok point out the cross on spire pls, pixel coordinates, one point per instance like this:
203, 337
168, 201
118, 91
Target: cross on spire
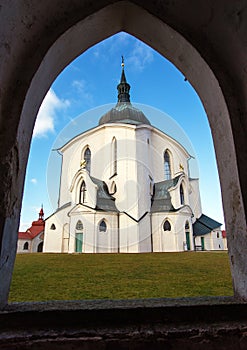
123, 87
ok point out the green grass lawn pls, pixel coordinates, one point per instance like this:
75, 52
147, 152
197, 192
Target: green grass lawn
40, 277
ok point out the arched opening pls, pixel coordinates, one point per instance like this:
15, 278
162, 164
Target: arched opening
167, 226
79, 237
26, 246
83, 193
87, 158
102, 226
167, 165
79, 225
187, 236
114, 156
181, 193
157, 34
53, 227
40, 247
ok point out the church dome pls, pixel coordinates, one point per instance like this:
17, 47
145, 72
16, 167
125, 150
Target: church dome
124, 112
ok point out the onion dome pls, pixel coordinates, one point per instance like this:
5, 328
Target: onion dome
124, 112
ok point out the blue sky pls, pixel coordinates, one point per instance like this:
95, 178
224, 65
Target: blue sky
89, 84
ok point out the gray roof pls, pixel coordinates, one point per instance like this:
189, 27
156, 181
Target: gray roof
161, 200
105, 201
124, 112
204, 224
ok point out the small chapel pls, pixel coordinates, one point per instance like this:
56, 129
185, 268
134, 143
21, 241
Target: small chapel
31, 241
125, 187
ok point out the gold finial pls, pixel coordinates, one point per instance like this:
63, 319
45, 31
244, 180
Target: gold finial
83, 163
122, 64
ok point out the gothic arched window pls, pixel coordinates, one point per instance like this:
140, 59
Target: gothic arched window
53, 227
114, 156
167, 226
187, 226
102, 226
83, 190
181, 195
87, 158
79, 225
25, 247
167, 165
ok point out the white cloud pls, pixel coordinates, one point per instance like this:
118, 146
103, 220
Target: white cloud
141, 56
47, 113
34, 181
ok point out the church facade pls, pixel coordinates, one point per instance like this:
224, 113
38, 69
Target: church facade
125, 187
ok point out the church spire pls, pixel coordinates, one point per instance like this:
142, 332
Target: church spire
123, 87
41, 213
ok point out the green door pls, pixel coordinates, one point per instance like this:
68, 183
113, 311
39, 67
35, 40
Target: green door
188, 240
202, 243
78, 242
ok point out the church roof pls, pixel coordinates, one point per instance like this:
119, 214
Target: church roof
161, 199
36, 228
124, 112
105, 201
204, 224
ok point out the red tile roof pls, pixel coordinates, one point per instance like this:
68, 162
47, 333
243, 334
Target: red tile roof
36, 228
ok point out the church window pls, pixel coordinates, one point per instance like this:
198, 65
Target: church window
167, 165
102, 226
167, 226
79, 225
83, 191
87, 158
114, 156
53, 227
187, 226
25, 247
181, 195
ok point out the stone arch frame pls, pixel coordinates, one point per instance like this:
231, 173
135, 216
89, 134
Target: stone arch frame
216, 72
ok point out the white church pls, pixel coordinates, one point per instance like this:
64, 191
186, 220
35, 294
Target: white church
125, 188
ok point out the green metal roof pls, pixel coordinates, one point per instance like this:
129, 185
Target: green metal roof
105, 201
124, 112
204, 224
161, 200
